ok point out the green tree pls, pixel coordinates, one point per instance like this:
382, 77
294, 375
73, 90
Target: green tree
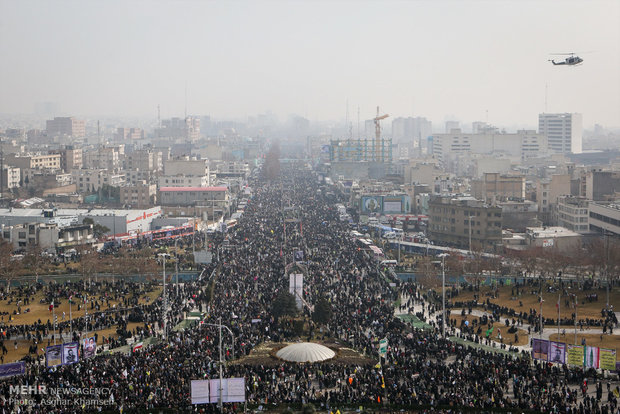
98, 229
322, 311
284, 305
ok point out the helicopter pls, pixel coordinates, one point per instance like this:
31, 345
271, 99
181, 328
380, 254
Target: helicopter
572, 60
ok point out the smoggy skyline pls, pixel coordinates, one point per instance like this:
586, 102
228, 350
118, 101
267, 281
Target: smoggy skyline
465, 60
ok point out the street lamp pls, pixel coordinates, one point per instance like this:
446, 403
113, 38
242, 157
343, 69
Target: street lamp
443, 293
220, 326
165, 304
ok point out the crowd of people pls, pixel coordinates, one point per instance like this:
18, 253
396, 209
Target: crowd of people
420, 370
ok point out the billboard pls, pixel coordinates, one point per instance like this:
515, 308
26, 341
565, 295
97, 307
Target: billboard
233, 390
574, 355
89, 347
607, 359
208, 391
372, 204
53, 355
393, 204
70, 353
200, 391
540, 349
557, 352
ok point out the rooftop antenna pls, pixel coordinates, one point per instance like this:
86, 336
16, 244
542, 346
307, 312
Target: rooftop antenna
158, 117
98, 136
185, 99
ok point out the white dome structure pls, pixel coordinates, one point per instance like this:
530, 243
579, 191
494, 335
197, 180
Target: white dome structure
305, 352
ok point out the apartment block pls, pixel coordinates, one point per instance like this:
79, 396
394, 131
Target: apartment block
139, 195
68, 126
572, 213
454, 220
495, 186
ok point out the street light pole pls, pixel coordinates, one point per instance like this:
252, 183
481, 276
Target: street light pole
470, 217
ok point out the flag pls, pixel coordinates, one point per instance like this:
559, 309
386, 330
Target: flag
378, 365
137, 346
489, 331
616, 392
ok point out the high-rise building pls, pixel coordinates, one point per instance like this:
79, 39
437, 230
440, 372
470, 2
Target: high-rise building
187, 128
563, 131
66, 126
411, 131
524, 144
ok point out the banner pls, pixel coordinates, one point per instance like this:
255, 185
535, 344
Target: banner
200, 391
590, 359
296, 287
299, 256
607, 359
90, 347
14, 368
540, 349
70, 353
53, 355
557, 352
574, 355
233, 390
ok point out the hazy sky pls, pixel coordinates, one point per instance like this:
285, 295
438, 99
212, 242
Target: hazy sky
440, 59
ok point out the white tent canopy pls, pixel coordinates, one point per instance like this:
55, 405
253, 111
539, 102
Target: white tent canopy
305, 352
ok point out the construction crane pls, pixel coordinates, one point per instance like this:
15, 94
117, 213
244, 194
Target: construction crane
378, 147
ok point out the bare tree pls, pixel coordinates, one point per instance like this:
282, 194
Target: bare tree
9, 267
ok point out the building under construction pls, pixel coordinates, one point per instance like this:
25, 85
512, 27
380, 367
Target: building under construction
351, 150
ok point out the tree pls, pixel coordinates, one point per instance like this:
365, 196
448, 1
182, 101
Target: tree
284, 305
98, 229
36, 262
322, 311
89, 263
8, 266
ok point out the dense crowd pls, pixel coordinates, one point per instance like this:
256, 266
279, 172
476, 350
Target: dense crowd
421, 370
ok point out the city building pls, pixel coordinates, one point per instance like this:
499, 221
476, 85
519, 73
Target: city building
572, 213
70, 158
602, 185
518, 215
11, 177
139, 195
105, 158
563, 131
520, 145
456, 221
179, 128
604, 218
34, 161
128, 134
68, 126
190, 196
143, 160
414, 132
91, 180
547, 192
558, 238
495, 186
